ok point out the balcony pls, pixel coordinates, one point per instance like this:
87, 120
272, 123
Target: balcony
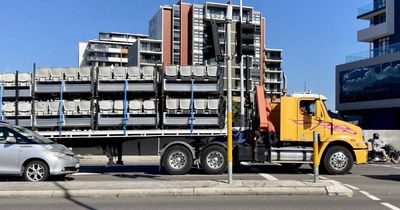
107, 59
387, 50
375, 32
368, 11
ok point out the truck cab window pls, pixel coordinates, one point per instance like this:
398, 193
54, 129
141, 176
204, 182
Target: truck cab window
307, 108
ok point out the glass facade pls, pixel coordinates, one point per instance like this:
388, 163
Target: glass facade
377, 82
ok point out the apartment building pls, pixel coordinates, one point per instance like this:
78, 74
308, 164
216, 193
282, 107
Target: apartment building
368, 84
145, 52
110, 49
273, 72
181, 29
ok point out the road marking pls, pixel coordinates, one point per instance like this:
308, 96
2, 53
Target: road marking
351, 186
268, 177
387, 166
321, 177
390, 206
85, 174
372, 197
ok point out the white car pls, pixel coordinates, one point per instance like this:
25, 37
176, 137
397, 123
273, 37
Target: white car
24, 152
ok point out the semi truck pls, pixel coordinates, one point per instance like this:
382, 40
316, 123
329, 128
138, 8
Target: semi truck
177, 113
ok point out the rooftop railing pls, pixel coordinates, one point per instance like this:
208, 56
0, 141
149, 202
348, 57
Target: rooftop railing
386, 50
377, 5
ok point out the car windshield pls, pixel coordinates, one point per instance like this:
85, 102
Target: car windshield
31, 135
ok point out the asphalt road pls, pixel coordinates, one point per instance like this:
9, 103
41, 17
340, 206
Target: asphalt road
188, 203
375, 186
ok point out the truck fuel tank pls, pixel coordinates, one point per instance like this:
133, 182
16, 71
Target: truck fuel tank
287, 154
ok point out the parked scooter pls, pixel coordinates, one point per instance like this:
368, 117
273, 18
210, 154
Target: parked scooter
377, 155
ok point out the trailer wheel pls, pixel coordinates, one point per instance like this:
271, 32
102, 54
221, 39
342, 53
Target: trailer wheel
338, 160
177, 160
214, 160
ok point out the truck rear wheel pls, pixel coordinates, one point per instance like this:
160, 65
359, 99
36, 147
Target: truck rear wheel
177, 160
338, 160
214, 160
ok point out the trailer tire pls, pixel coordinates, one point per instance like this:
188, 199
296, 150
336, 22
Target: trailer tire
214, 159
338, 160
177, 160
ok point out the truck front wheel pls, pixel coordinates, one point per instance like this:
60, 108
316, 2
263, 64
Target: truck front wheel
177, 160
338, 160
214, 159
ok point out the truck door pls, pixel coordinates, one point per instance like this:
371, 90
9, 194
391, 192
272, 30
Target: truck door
309, 119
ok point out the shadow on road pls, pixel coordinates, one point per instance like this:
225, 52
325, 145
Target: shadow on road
67, 196
390, 177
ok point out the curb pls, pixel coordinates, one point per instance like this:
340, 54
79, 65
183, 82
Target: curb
196, 191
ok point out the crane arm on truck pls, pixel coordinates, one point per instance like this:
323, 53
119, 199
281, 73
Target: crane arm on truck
264, 111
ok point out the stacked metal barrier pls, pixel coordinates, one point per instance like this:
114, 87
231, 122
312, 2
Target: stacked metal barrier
193, 96
16, 98
114, 98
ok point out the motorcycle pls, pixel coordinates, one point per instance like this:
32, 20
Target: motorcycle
393, 154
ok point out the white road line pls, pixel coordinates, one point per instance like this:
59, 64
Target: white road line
396, 167
372, 197
351, 186
268, 177
85, 174
321, 177
390, 206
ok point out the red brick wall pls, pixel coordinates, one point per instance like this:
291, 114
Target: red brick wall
185, 34
167, 36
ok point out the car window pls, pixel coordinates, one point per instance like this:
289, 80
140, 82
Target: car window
4, 133
2, 136
20, 139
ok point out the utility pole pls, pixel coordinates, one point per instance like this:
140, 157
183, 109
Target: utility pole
242, 118
229, 77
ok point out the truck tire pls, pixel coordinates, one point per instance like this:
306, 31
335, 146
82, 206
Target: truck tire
177, 160
338, 160
36, 171
214, 159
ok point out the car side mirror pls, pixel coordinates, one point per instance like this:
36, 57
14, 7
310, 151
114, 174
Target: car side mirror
11, 140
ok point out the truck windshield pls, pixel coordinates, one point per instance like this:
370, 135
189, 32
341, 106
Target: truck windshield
31, 135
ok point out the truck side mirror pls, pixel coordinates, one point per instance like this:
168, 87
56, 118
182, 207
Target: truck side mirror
11, 140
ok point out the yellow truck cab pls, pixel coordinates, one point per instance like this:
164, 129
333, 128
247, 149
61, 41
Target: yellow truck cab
287, 127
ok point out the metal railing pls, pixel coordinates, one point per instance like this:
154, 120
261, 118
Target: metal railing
377, 5
386, 50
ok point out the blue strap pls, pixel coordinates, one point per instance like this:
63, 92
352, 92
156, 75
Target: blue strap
192, 118
60, 112
125, 114
1, 102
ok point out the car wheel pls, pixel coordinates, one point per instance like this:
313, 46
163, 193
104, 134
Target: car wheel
36, 171
214, 160
177, 160
338, 160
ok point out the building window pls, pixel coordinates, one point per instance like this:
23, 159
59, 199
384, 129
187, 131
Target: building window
379, 19
381, 46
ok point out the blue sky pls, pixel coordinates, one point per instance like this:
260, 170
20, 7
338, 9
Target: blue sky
315, 35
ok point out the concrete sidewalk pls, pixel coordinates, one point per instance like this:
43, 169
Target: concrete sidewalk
168, 188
